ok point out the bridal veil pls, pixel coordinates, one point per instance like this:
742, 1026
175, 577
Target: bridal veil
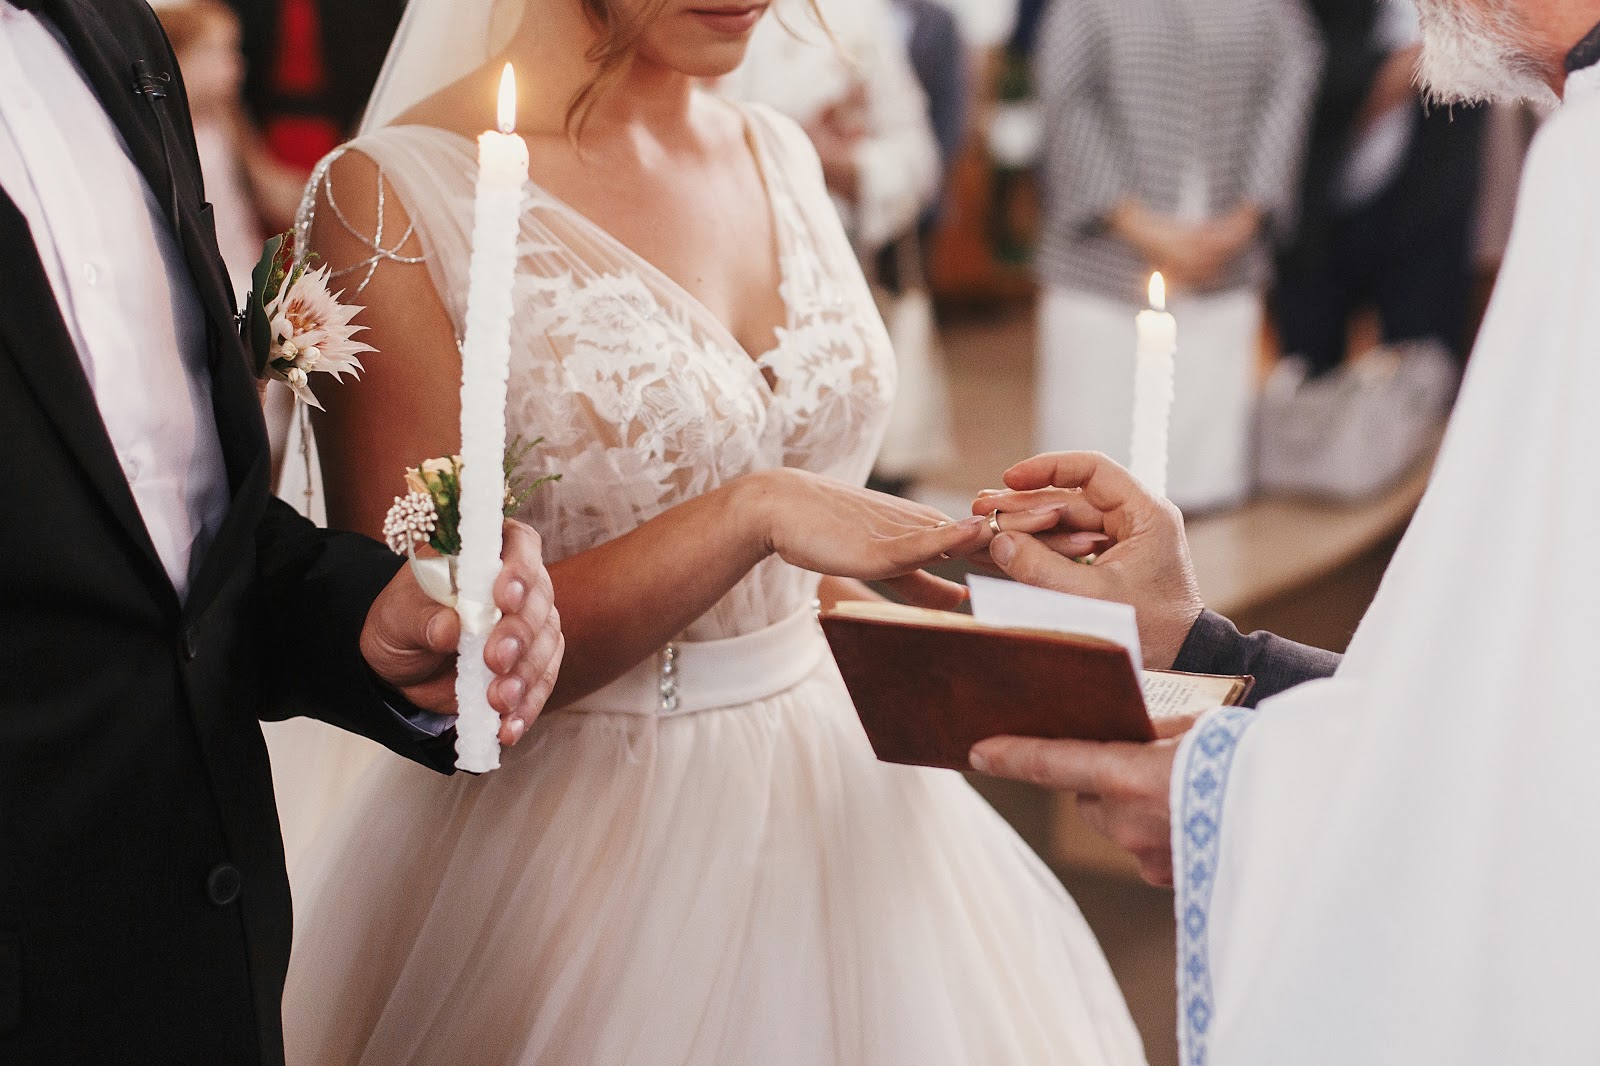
439, 43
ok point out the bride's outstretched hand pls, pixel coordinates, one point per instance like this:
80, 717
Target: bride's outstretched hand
841, 530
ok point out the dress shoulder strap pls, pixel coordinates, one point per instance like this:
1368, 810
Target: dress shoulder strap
382, 243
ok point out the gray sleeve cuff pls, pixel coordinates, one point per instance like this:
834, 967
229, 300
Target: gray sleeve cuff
424, 723
1215, 646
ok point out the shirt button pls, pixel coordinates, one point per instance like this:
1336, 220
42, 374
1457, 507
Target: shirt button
224, 884
91, 276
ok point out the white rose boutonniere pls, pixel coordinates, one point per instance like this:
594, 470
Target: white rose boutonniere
294, 326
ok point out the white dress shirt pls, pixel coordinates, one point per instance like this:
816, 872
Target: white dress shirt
122, 286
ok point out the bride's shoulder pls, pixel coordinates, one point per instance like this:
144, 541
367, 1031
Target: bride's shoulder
354, 212
781, 136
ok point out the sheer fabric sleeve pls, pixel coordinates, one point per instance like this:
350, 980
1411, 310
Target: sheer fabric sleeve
387, 242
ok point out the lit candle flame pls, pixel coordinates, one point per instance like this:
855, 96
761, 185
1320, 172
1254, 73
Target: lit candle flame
1158, 291
508, 100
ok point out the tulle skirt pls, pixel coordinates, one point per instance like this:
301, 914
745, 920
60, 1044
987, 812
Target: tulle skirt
746, 885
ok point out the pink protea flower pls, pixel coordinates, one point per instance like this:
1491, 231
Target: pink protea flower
312, 332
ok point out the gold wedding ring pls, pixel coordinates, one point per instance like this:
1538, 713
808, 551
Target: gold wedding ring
994, 522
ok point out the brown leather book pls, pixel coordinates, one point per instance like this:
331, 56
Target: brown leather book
928, 685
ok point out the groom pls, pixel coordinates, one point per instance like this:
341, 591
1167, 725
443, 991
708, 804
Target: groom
155, 602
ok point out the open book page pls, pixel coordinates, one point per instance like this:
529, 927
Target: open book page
1170, 695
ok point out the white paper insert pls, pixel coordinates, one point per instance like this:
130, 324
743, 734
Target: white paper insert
1018, 606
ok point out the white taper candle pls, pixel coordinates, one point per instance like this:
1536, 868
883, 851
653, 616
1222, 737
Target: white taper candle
1155, 367
485, 366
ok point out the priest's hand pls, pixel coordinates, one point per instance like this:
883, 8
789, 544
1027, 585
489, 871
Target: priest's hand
1142, 557
1122, 789
410, 641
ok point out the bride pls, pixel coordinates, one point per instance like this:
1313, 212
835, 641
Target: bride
693, 857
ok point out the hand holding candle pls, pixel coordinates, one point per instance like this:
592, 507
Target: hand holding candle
485, 367
1155, 367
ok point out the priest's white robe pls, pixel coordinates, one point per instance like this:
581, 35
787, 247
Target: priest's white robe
1402, 864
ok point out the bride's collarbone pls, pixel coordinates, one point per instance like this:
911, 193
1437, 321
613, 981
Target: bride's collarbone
710, 232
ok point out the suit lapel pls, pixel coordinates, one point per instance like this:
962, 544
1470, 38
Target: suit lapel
33, 331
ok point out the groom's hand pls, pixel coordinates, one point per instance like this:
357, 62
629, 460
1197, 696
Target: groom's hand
1122, 789
410, 641
1142, 557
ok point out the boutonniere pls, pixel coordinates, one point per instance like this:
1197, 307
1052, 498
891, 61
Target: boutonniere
294, 326
430, 514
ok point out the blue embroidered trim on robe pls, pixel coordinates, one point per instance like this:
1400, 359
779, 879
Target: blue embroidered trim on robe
1199, 818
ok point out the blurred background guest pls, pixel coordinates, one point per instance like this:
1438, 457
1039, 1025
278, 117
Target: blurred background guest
850, 83
1388, 200
940, 59
985, 24
311, 64
852, 87
1174, 132
1387, 226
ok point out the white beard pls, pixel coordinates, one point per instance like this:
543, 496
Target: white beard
1472, 52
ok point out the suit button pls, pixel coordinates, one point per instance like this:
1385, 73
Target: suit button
224, 884
190, 643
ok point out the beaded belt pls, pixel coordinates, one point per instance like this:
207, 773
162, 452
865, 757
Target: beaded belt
684, 678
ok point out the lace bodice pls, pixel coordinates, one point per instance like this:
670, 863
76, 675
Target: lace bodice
644, 398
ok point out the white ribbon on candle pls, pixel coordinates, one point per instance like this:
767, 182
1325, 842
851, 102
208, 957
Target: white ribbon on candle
485, 367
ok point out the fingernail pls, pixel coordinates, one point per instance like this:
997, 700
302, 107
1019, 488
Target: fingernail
1003, 549
1045, 512
978, 761
510, 649
973, 524
516, 728
992, 492
511, 689
516, 592
436, 626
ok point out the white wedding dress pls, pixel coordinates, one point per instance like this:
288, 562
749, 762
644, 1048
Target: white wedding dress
702, 863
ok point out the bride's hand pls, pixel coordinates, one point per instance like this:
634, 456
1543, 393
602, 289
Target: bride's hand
833, 528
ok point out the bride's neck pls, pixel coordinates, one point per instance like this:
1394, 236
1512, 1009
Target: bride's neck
553, 68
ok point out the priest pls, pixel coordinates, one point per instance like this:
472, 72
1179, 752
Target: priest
1396, 864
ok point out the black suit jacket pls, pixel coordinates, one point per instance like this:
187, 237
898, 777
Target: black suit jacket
144, 907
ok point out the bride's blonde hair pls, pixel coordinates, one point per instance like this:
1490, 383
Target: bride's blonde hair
621, 25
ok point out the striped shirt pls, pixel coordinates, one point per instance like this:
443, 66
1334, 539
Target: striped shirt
1189, 107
